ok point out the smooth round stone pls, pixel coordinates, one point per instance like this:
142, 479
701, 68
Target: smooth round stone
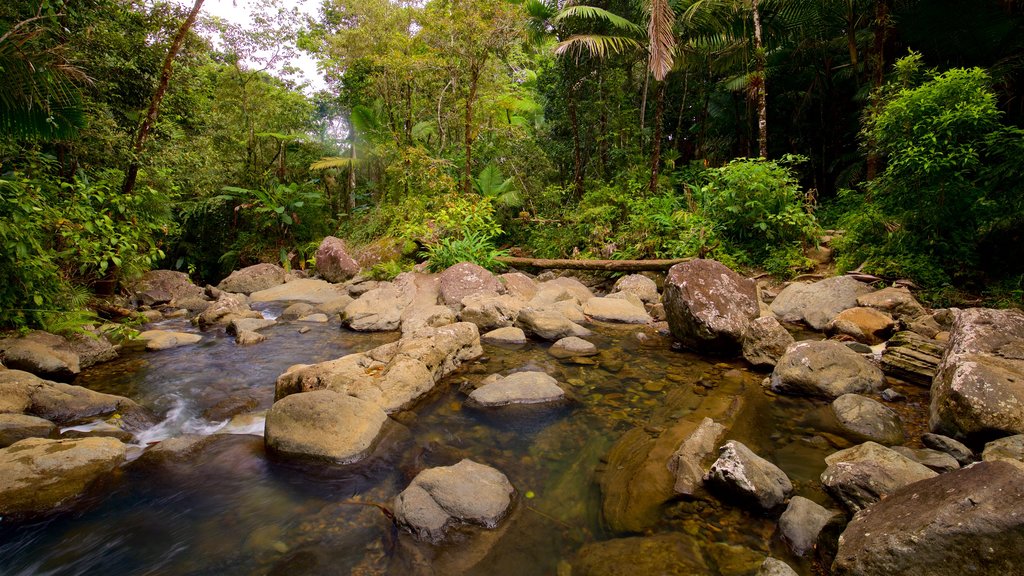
518, 388
506, 335
572, 346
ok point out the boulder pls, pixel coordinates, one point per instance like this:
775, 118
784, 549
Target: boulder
865, 419
25, 393
571, 347
640, 286
616, 310
464, 493
310, 290
416, 318
962, 454
657, 555
517, 388
775, 567
92, 348
298, 310
970, 521
933, 459
866, 325
39, 475
156, 340
248, 337
687, 463
519, 285
466, 278
323, 425
765, 341
709, 307
166, 286
577, 289
507, 335
317, 318
43, 354
224, 309
249, 325
549, 324
802, 523
333, 262
818, 303
978, 392
897, 301
380, 309
335, 305
394, 375
826, 369
753, 479
912, 358
253, 279
490, 310
860, 476
1009, 448
15, 427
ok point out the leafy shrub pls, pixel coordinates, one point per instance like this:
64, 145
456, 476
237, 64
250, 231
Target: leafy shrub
474, 247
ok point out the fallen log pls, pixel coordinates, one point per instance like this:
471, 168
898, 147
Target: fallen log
606, 265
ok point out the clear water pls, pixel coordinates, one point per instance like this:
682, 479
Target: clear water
230, 510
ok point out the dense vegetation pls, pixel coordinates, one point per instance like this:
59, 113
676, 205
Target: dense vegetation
458, 129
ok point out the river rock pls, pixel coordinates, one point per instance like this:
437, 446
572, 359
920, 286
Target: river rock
765, 341
316, 318
978, 391
38, 475
323, 425
394, 375
709, 307
335, 305
667, 553
490, 310
970, 521
866, 325
380, 309
687, 463
912, 358
572, 346
818, 303
225, 308
333, 262
802, 523
1009, 448
574, 287
519, 285
15, 427
298, 310
933, 459
864, 474
748, 476
92, 348
311, 290
25, 393
156, 340
507, 335
415, 318
466, 278
253, 279
897, 301
962, 454
825, 369
517, 388
866, 419
166, 286
775, 567
466, 492
43, 354
640, 286
248, 337
549, 324
615, 310
249, 325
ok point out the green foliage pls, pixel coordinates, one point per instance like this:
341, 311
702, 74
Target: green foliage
389, 269
473, 247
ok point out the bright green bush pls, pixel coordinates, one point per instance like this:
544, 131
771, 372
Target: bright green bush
474, 247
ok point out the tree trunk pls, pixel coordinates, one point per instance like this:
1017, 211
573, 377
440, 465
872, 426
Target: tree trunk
608, 265
165, 78
762, 84
659, 112
643, 107
881, 25
577, 154
467, 182
350, 196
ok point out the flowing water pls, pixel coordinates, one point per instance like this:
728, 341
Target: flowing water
230, 510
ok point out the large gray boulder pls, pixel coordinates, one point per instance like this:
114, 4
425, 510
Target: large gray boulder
709, 307
802, 523
323, 425
765, 342
818, 303
253, 279
860, 476
464, 493
519, 285
490, 310
166, 286
968, 522
517, 388
978, 391
43, 354
616, 310
640, 286
577, 289
865, 419
825, 369
746, 475
39, 475
897, 301
466, 278
333, 262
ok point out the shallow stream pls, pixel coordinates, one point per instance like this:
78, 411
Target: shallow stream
230, 510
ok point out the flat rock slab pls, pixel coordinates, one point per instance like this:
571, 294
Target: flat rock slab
464, 493
39, 475
308, 290
687, 462
517, 388
15, 427
43, 354
24, 393
249, 325
157, 340
864, 474
826, 369
967, 522
506, 335
323, 425
615, 310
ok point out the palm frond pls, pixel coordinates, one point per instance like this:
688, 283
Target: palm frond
661, 39
596, 45
331, 162
594, 13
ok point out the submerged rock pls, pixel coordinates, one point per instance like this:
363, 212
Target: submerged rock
464, 493
826, 369
818, 304
253, 279
748, 476
866, 419
323, 425
39, 475
668, 553
967, 522
517, 388
709, 307
864, 474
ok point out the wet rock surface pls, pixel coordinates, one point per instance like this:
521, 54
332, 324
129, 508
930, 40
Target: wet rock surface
323, 425
802, 523
825, 369
15, 427
860, 476
740, 472
517, 388
671, 553
865, 419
